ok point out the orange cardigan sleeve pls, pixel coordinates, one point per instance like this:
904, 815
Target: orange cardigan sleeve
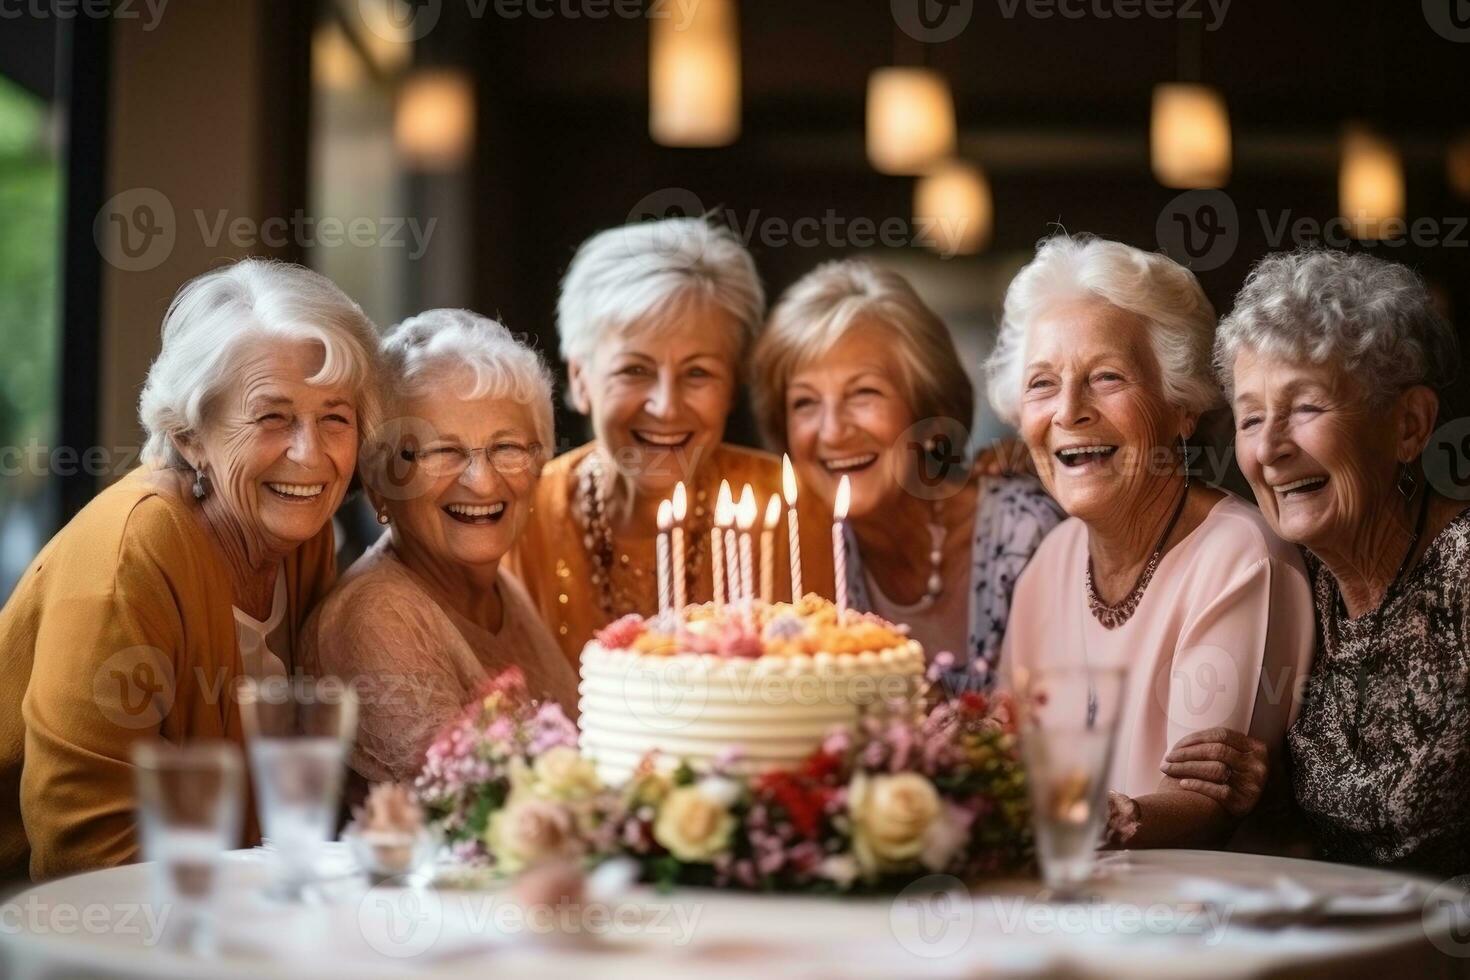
108, 645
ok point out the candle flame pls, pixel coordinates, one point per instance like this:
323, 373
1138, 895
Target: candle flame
746, 515
844, 500
773, 512
681, 502
788, 480
725, 505
665, 515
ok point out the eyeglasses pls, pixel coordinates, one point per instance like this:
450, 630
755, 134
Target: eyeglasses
504, 457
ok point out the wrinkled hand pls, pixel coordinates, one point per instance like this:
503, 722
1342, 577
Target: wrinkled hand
1227, 766
1123, 819
1004, 457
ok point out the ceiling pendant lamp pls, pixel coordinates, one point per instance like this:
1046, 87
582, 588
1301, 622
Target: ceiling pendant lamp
911, 120
694, 76
434, 123
1189, 136
1370, 185
953, 211
1457, 166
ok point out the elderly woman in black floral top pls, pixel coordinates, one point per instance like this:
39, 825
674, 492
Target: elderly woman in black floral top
1336, 365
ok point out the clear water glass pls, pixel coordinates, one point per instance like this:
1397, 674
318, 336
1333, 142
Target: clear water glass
298, 731
189, 801
1069, 723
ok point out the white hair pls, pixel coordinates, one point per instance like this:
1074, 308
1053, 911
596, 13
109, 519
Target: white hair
641, 275
1374, 318
424, 351
212, 320
1166, 295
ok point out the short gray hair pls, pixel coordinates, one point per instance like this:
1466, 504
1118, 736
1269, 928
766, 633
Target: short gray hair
213, 317
1180, 319
814, 315
421, 351
641, 274
1374, 318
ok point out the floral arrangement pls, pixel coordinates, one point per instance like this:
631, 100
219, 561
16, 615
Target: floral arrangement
905, 793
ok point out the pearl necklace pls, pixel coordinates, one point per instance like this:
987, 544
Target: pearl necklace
597, 538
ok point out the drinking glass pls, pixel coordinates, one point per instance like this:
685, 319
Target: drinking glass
189, 812
298, 730
1069, 721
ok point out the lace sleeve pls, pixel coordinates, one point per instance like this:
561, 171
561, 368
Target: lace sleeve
396, 646
1015, 514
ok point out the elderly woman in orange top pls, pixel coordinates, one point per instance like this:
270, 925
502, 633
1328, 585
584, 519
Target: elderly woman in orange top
426, 616
654, 319
194, 570
1104, 360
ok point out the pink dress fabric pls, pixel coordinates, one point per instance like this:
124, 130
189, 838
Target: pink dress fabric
1223, 636
418, 662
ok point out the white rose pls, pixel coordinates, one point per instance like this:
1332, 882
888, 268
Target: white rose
693, 826
562, 774
891, 817
527, 830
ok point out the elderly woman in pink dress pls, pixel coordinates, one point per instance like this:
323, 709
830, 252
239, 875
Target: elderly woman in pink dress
424, 618
1104, 363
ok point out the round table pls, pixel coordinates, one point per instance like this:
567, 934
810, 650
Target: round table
1142, 918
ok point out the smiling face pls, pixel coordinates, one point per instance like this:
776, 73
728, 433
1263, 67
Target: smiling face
1319, 459
1093, 411
658, 399
846, 414
279, 452
473, 504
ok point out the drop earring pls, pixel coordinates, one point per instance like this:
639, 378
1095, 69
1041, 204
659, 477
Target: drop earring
201, 485
383, 517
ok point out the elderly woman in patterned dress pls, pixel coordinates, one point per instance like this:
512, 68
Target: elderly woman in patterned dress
1103, 359
1336, 365
857, 377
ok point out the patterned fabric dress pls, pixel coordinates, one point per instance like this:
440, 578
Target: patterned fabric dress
1012, 515
1381, 749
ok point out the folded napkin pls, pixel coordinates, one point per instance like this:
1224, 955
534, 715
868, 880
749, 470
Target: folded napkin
1286, 901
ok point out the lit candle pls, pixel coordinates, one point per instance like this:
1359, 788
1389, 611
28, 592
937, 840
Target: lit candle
768, 549
717, 563
788, 484
839, 545
724, 522
745, 517
665, 521
681, 508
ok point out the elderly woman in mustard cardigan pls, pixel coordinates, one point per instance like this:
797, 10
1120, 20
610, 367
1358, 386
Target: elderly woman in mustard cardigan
199, 568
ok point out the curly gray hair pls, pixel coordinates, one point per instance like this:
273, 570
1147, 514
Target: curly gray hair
1374, 318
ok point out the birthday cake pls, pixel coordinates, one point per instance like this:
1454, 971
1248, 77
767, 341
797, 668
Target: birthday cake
750, 688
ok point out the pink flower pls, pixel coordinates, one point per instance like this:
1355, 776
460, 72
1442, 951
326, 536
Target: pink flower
622, 633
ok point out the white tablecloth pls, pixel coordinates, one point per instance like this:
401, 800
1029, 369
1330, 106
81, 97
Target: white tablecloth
1145, 918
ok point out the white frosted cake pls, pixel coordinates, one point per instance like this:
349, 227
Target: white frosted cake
752, 691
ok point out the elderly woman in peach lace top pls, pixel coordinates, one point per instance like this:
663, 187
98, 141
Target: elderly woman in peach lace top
427, 615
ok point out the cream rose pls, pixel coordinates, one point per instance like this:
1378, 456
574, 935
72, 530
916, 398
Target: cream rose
692, 825
562, 774
891, 816
527, 830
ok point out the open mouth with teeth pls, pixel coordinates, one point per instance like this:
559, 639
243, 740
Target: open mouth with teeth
850, 464
297, 492
476, 513
1076, 457
662, 440
1300, 488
